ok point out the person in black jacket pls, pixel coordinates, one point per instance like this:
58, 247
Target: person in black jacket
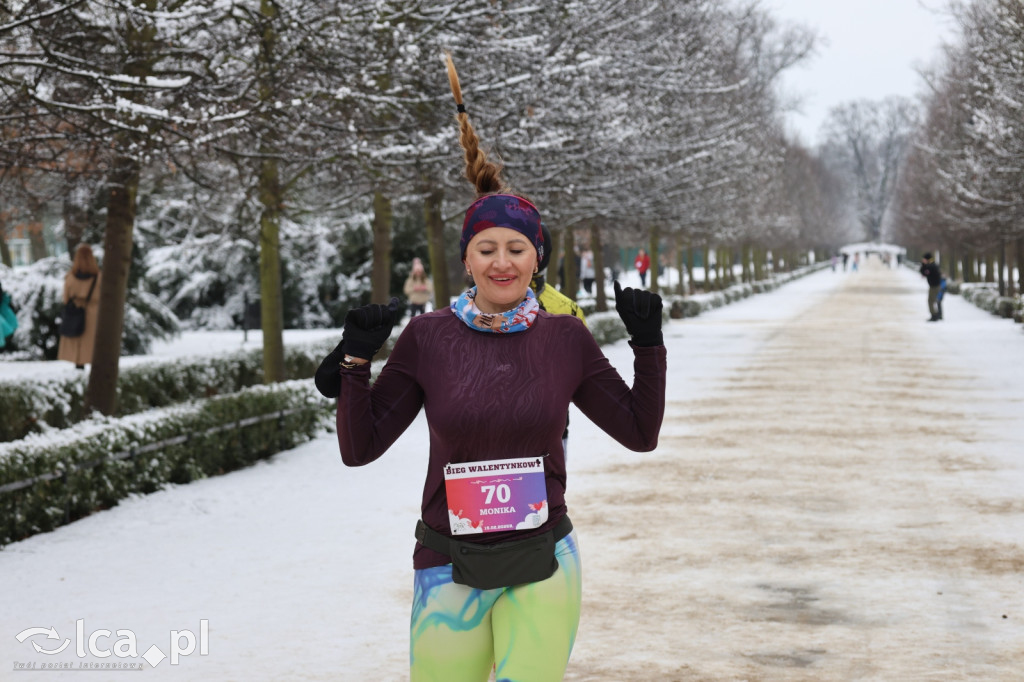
930, 270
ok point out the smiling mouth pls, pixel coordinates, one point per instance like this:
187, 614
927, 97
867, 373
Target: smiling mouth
503, 279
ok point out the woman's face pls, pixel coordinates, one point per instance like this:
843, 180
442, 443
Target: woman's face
501, 262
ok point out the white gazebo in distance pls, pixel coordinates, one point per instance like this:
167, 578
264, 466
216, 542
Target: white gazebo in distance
885, 251
867, 248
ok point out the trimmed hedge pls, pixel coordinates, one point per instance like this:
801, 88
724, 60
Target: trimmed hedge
986, 296
678, 307
33, 406
93, 465
691, 306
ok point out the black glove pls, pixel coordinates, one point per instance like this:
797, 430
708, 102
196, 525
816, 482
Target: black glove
640, 310
327, 379
367, 328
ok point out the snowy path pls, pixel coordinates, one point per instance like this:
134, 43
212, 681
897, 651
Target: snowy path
844, 506
837, 496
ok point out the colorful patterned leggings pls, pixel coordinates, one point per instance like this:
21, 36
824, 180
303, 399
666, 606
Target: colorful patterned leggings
524, 633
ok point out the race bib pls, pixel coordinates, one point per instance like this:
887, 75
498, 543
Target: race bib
496, 495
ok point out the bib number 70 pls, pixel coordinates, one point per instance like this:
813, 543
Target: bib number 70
501, 491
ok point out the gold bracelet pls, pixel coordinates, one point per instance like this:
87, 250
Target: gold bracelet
348, 363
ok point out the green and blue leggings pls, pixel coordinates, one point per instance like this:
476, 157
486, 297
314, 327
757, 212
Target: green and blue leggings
523, 633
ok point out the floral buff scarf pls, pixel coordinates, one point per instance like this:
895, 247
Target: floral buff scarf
518, 319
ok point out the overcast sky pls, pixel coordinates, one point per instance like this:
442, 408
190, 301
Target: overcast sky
869, 49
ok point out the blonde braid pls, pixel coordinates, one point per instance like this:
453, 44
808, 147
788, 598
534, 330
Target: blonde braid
484, 174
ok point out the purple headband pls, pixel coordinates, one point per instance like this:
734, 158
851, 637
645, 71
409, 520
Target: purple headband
503, 210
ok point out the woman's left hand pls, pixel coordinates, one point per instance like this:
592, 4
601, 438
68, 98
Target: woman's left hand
640, 311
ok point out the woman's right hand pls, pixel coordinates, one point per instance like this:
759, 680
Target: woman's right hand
367, 328
327, 379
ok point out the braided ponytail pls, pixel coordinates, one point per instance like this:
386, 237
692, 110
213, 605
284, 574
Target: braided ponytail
484, 174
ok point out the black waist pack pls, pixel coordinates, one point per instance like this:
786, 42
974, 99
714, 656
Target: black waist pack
504, 564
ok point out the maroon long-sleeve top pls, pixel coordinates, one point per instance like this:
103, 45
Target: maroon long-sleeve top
496, 396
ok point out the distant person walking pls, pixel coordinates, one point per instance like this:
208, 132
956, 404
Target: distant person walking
587, 273
418, 288
642, 263
930, 271
82, 285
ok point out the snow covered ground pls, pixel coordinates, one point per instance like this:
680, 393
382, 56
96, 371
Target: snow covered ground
837, 495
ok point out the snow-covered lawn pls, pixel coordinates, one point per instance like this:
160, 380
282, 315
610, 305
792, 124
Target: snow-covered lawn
758, 542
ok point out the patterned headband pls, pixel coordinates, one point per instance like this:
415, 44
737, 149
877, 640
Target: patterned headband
503, 210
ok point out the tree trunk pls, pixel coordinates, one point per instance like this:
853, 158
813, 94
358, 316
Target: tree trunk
597, 248
1001, 264
101, 392
989, 267
690, 263
380, 279
271, 305
707, 268
655, 271
76, 213
551, 271
680, 265
35, 231
271, 200
965, 261
570, 281
435, 247
1011, 260
5, 249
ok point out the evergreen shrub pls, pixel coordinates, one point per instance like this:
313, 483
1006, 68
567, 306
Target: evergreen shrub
105, 459
33, 406
1005, 306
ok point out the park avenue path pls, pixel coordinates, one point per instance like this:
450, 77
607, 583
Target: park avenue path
845, 503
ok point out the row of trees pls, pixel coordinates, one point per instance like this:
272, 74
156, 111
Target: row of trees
241, 131
963, 182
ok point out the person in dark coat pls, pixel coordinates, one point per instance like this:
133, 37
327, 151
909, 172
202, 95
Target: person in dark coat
930, 271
